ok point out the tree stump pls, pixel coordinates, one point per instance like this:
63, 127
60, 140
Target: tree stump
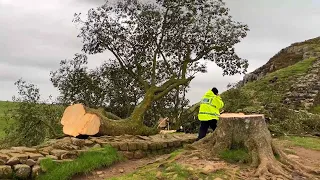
250, 132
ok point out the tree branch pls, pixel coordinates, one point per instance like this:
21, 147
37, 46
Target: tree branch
143, 83
203, 53
154, 66
177, 82
186, 62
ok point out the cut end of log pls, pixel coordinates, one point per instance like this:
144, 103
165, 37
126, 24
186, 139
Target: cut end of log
76, 121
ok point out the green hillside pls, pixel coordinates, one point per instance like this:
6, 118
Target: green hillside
289, 96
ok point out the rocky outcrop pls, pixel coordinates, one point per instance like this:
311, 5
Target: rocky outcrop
286, 57
303, 92
23, 162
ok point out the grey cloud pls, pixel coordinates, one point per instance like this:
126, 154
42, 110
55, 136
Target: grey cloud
35, 35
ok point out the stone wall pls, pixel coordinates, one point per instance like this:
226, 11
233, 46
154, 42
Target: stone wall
23, 162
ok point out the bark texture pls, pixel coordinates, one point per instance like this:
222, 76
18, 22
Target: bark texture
250, 132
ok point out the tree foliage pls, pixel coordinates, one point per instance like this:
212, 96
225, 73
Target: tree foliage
115, 90
33, 120
79, 85
163, 44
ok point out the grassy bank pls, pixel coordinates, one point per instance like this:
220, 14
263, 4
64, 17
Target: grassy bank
305, 142
85, 163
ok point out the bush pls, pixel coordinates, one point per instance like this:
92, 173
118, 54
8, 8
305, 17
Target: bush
33, 120
235, 99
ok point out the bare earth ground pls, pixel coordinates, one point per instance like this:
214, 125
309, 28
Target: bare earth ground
232, 171
120, 168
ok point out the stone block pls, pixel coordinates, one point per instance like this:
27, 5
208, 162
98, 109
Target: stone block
115, 145
24, 149
46, 150
69, 155
123, 146
153, 145
78, 142
22, 171
132, 146
96, 146
4, 157
36, 170
5, 172
51, 157
2, 162
30, 162
19, 156
58, 152
139, 154
177, 143
13, 161
88, 142
128, 154
34, 156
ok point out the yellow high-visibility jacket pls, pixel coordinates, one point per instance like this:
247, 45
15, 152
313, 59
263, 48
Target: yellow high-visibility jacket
210, 106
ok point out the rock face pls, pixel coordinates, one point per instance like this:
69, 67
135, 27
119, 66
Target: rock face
304, 91
286, 57
24, 162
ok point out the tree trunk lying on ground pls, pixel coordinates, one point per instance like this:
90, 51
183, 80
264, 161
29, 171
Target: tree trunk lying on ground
79, 120
250, 132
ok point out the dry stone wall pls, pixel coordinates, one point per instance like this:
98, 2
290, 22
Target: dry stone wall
24, 162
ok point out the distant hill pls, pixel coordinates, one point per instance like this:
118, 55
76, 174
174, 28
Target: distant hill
286, 89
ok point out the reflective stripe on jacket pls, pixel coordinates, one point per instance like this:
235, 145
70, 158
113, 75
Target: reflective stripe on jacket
210, 106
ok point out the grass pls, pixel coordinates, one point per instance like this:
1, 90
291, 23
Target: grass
175, 153
85, 163
316, 109
235, 156
305, 142
265, 92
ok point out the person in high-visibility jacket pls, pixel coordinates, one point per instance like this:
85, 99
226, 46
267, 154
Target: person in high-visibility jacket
209, 111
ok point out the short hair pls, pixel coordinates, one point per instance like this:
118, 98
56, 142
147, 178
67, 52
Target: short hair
215, 90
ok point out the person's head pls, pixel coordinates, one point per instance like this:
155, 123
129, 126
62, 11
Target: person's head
215, 91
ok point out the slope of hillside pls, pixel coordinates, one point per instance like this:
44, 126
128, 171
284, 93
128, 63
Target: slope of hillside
286, 57
288, 93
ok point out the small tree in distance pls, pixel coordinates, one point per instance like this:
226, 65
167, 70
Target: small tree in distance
163, 44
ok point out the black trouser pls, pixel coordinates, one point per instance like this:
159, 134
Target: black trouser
205, 126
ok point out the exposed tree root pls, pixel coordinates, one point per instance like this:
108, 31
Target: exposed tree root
251, 134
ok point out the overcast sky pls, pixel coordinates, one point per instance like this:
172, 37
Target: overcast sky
36, 34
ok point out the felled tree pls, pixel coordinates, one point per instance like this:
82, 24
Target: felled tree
162, 44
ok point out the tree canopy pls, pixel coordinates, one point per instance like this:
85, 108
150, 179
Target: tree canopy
166, 38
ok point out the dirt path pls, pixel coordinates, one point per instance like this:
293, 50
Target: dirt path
305, 156
119, 169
